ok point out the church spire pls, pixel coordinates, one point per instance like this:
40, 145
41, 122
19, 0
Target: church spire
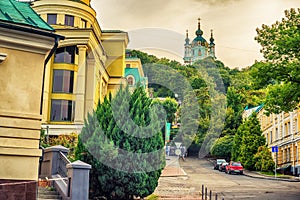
187, 40
211, 38
199, 32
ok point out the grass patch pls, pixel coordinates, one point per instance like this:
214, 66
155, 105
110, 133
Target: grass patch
270, 173
152, 197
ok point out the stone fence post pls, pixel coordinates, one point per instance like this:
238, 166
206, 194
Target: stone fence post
51, 160
78, 174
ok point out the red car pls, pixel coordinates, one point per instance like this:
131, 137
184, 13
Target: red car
234, 167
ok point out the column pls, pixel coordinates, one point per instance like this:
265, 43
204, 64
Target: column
80, 85
78, 174
90, 85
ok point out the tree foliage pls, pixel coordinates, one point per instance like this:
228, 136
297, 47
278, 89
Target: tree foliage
246, 142
115, 140
222, 147
281, 49
263, 159
170, 105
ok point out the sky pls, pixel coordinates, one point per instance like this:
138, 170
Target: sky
158, 27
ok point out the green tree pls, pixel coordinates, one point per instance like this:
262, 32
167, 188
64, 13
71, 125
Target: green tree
170, 105
280, 47
233, 112
246, 142
263, 159
222, 147
115, 140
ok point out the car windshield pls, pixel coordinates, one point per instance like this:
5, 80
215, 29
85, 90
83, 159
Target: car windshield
236, 164
219, 161
225, 163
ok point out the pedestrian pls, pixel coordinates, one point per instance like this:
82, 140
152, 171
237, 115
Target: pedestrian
183, 151
167, 150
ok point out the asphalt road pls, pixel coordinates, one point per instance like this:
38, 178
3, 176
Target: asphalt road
227, 186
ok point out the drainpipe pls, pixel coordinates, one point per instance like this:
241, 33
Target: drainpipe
44, 71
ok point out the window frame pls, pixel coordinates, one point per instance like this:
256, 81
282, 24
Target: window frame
70, 105
69, 20
64, 75
68, 53
132, 78
49, 20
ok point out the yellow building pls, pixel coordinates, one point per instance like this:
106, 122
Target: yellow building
282, 130
88, 65
25, 42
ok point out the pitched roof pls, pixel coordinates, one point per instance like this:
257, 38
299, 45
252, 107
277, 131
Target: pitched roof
20, 13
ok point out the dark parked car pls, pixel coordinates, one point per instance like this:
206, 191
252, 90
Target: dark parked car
234, 167
222, 167
218, 163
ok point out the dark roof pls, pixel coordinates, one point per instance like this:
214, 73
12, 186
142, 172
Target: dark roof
20, 13
113, 31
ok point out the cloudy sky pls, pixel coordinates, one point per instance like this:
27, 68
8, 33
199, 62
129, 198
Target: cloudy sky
158, 26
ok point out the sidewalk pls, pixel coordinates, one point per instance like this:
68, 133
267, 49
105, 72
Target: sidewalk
172, 168
254, 174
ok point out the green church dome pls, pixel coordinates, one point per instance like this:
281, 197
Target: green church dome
199, 39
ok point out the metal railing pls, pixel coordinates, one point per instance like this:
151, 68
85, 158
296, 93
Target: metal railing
62, 163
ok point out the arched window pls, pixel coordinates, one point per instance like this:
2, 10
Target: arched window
130, 80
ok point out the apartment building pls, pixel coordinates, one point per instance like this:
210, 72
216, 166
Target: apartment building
282, 130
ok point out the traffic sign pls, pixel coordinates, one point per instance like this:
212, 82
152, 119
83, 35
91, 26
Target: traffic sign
275, 149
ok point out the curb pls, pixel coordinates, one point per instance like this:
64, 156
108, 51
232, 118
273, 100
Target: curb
271, 178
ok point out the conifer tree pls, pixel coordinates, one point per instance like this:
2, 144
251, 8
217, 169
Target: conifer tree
246, 142
123, 143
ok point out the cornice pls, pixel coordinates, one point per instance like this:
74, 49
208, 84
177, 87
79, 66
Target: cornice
25, 41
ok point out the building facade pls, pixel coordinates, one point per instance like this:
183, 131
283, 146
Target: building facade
282, 130
199, 48
88, 65
26, 41
134, 73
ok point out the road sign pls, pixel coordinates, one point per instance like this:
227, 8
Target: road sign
275, 149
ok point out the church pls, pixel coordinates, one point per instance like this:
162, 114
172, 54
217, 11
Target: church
199, 48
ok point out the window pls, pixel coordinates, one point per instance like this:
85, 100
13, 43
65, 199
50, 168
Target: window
271, 137
130, 80
62, 110
127, 65
63, 81
288, 156
283, 132
65, 55
267, 138
276, 136
296, 126
83, 23
69, 20
288, 128
199, 53
52, 18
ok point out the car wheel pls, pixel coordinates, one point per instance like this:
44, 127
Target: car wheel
241, 173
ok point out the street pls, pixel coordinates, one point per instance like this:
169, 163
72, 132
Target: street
227, 186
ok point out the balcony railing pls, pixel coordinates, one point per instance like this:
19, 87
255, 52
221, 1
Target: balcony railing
69, 179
